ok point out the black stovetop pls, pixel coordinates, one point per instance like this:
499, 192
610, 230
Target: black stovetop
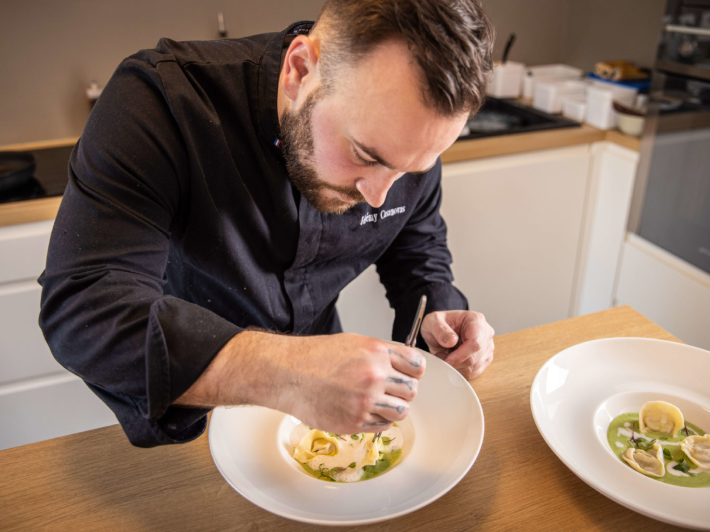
50, 177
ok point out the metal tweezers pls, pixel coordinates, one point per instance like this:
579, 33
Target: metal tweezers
412, 338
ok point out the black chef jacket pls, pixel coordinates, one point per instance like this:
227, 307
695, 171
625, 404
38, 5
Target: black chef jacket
180, 227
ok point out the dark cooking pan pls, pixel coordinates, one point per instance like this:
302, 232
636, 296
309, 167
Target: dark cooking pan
16, 168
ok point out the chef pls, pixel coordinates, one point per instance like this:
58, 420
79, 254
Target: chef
223, 193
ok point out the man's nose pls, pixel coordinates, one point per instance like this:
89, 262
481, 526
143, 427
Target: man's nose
374, 188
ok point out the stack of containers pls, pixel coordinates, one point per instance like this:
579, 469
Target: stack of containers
575, 108
600, 102
549, 95
547, 73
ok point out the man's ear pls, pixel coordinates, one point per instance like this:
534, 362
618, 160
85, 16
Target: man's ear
300, 67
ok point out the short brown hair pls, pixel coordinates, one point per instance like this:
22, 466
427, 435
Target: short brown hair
450, 40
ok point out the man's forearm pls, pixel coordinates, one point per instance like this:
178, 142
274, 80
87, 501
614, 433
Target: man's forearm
240, 374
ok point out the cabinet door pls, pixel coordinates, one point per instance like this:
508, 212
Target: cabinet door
23, 250
514, 226
23, 351
49, 407
608, 202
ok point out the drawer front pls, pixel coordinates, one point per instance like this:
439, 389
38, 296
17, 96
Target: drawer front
23, 250
23, 351
48, 408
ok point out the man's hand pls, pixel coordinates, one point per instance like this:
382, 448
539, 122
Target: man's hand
344, 383
462, 338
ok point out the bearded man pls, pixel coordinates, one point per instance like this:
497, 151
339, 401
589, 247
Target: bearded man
224, 192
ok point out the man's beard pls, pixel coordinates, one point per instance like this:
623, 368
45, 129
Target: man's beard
297, 146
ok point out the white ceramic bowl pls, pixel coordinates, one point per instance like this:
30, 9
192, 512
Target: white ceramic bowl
250, 446
631, 124
577, 393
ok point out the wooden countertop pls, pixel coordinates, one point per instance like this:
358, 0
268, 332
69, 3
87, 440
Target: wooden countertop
96, 480
46, 208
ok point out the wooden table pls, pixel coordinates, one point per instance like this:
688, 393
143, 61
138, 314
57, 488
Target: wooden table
96, 481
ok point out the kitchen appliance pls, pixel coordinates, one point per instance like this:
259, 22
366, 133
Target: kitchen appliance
38, 173
16, 169
671, 201
508, 117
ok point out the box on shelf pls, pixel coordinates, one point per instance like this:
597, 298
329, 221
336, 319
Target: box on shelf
557, 72
549, 95
505, 80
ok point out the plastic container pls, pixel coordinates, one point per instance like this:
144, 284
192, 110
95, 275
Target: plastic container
575, 108
505, 80
549, 95
557, 72
600, 100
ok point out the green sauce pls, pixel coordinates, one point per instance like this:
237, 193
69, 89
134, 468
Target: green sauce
371, 471
697, 480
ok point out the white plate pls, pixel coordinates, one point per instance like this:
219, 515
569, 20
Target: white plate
250, 447
577, 393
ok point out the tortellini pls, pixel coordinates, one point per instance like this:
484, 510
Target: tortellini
697, 449
314, 443
373, 451
660, 416
647, 462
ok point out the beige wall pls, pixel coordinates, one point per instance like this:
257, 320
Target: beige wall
537, 24
599, 30
50, 49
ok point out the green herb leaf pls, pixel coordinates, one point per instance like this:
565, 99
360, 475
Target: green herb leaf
682, 465
644, 444
352, 466
667, 454
355, 436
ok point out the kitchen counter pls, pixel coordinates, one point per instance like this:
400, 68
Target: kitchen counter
96, 479
465, 150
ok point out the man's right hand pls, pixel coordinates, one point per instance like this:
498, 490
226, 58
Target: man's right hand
344, 383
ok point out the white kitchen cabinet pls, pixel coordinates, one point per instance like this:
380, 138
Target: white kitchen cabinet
514, 226
667, 290
611, 181
23, 250
49, 407
38, 398
23, 352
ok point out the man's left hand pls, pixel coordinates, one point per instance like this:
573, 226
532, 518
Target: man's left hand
462, 338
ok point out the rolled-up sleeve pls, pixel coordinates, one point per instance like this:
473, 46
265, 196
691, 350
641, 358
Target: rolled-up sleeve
104, 313
418, 263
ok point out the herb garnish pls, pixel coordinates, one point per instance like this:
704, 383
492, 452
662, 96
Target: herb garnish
633, 439
682, 465
644, 444
352, 466
667, 454
355, 436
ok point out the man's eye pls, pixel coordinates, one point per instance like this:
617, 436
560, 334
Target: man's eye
363, 160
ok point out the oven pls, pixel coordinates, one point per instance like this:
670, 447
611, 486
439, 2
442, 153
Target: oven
671, 200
